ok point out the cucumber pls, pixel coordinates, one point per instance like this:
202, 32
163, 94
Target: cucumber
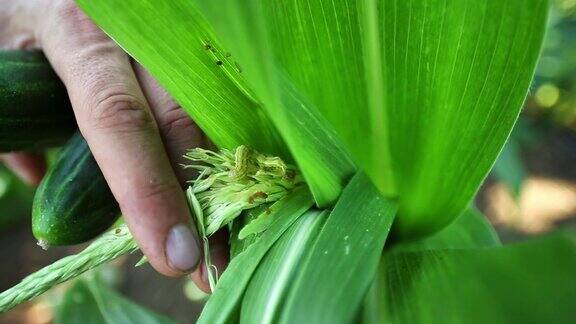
35, 112
73, 203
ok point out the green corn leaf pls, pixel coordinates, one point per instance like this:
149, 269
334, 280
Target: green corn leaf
469, 230
173, 42
265, 293
339, 268
226, 299
531, 282
322, 158
330, 51
456, 74
93, 302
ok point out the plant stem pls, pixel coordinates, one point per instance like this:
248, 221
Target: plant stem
111, 245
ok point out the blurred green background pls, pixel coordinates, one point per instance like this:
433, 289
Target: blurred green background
532, 187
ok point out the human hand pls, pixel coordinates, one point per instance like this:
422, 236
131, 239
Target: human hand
135, 131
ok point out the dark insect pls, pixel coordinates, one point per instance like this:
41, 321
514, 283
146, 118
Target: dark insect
219, 62
238, 67
290, 175
258, 194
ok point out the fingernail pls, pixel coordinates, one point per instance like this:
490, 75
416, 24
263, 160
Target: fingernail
182, 249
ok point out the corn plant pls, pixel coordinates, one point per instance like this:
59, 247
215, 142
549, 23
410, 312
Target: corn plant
369, 127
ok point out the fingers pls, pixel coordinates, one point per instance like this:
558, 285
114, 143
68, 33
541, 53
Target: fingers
179, 133
116, 121
28, 167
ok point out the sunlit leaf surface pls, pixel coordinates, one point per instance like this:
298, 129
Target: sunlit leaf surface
173, 42
324, 47
456, 74
428, 127
321, 156
423, 93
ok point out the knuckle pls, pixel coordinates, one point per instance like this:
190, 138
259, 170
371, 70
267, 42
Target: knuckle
68, 11
120, 112
66, 15
176, 124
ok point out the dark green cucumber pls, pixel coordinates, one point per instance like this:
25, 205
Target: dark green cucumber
73, 204
35, 112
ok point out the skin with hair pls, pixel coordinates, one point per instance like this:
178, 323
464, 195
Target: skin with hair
136, 132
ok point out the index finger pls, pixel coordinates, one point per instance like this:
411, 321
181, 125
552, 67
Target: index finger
119, 127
